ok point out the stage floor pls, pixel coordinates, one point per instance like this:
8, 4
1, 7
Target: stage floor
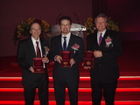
128, 91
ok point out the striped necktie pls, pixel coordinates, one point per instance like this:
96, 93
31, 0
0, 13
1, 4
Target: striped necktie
100, 39
38, 52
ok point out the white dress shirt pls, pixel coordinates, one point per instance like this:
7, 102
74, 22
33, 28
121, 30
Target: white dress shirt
34, 44
67, 39
98, 35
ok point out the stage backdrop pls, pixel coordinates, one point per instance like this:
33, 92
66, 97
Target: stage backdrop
125, 12
13, 11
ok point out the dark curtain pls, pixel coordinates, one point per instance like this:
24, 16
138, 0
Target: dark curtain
99, 6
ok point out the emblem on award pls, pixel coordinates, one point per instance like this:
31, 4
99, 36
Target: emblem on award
66, 56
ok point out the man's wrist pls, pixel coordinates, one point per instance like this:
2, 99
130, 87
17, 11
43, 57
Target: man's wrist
55, 57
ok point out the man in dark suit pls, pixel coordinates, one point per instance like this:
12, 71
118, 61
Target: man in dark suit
66, 76
106, 48
28, 49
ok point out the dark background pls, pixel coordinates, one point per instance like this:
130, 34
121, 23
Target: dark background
125, 12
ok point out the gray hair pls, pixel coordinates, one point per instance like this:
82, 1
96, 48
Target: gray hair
101, 15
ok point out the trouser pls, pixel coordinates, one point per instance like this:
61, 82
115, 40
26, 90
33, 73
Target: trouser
66, 79
105, 89
30, 84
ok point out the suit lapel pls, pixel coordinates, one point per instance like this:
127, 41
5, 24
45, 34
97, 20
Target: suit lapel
70, 42
42, 47
103, 40
60, 43
31, 47
96, 42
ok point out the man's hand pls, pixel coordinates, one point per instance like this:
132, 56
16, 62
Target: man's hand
58, 58
45, 60
72, 62
97, 53
31, 69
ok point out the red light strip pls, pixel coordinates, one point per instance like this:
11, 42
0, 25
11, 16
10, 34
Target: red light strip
80, 90
81, 78
129, 102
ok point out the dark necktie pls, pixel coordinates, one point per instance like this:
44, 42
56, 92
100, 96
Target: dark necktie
38, 53
64, 43
100, 38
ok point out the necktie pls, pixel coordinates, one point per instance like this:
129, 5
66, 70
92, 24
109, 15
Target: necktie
100, 38
38, 53
64, 43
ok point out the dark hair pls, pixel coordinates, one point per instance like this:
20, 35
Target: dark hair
65, 18
102, 15
36, 21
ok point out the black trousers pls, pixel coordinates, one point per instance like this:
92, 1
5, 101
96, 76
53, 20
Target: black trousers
66, 78
30, 83
107, 90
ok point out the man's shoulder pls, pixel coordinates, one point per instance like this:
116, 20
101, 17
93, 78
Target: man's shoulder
91, 36
24, 41
112, 32
76, 37
56, 37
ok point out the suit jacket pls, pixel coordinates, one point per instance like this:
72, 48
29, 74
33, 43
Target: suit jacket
26, 53
56, 48
105, 68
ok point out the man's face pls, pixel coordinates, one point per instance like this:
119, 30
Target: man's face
101, 24
65, 26
35, 30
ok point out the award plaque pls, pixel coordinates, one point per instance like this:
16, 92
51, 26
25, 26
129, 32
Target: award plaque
38, 65
66, 56
88, 59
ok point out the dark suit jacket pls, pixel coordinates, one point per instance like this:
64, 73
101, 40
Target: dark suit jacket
26, 53
105, 68
56, 48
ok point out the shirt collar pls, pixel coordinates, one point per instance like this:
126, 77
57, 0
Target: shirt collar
103, 33
34, 40
67, 35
